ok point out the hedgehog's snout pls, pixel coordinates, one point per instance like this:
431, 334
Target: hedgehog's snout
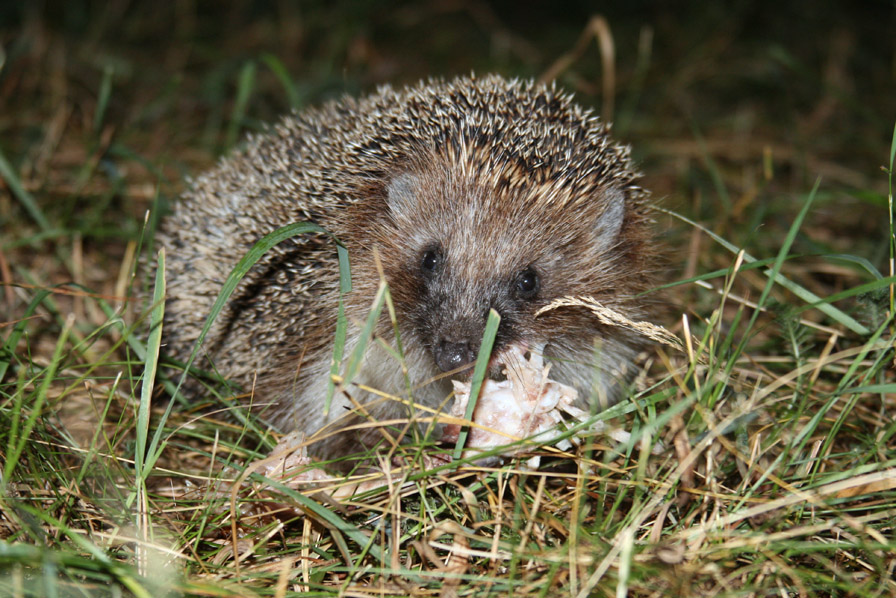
450, 355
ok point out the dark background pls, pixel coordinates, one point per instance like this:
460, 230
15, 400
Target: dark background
733, 109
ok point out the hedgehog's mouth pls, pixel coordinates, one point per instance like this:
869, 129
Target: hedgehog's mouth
496, 363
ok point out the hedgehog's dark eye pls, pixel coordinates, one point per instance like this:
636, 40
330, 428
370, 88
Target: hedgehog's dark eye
526, 283
431, 261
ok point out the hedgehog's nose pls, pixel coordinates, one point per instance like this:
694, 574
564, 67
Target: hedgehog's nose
451, 356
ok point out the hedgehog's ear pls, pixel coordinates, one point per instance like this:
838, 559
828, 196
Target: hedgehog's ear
609, 221
401, 193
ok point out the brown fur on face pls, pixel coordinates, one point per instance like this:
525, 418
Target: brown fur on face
476, 194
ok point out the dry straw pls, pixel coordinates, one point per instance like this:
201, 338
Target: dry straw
611, 317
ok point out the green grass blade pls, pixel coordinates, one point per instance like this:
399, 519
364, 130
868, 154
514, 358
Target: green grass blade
279, 70
887, 389
102, 100
892, 240
856, 260
720, 273
862, 289
345, 286
357, 357
345, 271
479, 372
15, 185
151, 363
338, 353
243, 92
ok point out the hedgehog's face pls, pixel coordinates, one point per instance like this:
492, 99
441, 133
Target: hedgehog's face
453, 305
459, 249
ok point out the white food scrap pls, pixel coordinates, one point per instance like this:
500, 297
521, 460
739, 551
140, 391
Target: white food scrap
526, 404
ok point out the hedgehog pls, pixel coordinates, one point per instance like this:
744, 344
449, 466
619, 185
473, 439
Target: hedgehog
463, 196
